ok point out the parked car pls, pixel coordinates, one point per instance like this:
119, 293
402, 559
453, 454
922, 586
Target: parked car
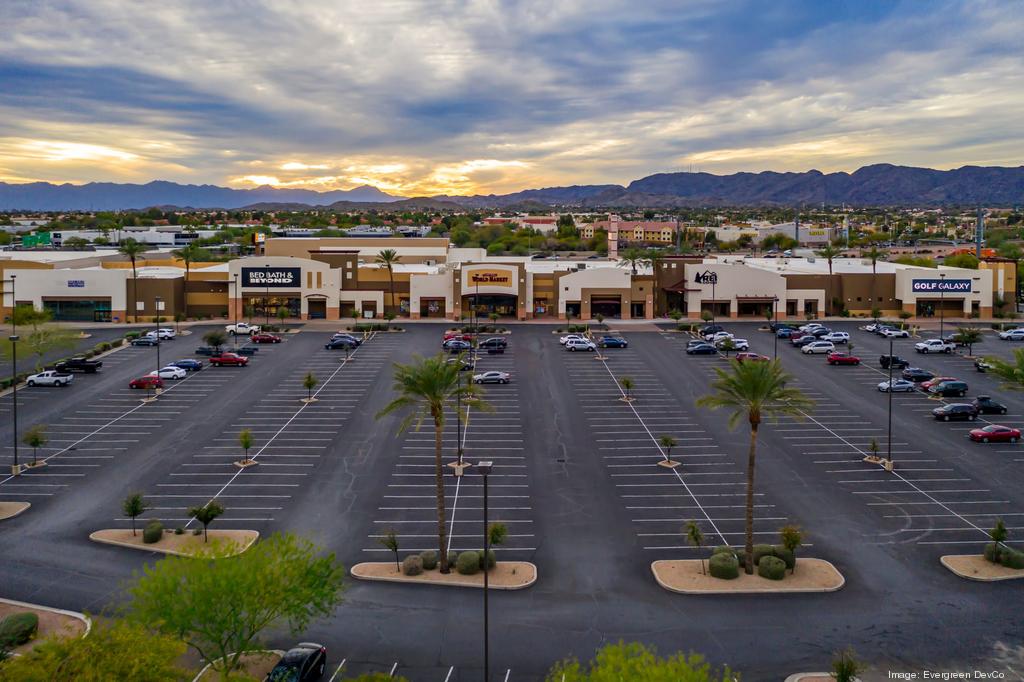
893, 333
994, 433
837, 358
785, 332
247, 350
206, 350
819, 332
613, 342
983, 365
985, 405
466, 365
934, 346
818, 347
917, 375
168, 331
809, 326
242, 328
737, 344
580, 344
457, 346
751, 357
264, 337
302, 663
169, 372
494, 342
949, 389
935, 380
352, 338
896, 361
702, 349
1012, 334
147, 381
570, 337
188, 364
897, 386
711, 329
146, 341
462, 336
492, 378
836, 337
163, 334
50, 378
717, 336
335, 344
79, 364
801, 340
955, 412
229, 360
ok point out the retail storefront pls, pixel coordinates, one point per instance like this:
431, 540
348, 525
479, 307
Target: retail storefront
306, 289
947, 291
492, 289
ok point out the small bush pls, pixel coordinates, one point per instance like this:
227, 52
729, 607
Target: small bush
429, 559
771, 567
179, 531
723, 549
153, 531
491, 559
197, 531
18, 628
724, 566
1012, 558
468, 563
990, 552
453, 557
412, 565
782, 553
762, 551
132, 335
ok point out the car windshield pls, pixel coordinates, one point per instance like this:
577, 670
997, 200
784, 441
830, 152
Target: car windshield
284, 673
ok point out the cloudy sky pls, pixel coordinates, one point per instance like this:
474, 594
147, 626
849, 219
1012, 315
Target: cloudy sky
420, 97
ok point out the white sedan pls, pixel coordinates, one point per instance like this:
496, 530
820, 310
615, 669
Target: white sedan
818, 347
571, 337
170, 372
717, 337
898, 385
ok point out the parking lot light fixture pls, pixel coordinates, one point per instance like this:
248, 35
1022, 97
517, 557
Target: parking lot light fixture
888, 437
942, 304
485, 468
15, 467
234, 306
775, 312
158, 300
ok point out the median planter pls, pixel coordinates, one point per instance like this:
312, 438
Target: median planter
245, 463
977, 567
52, 622
8, 510
309, 401
232, 542
506, 575
685, 577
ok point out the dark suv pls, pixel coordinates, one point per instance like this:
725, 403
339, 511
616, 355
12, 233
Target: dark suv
949, 389
300, 664
896, 361
955, 411
985, 405
494, 342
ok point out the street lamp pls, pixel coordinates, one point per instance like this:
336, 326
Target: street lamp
266, 301
942, 303
14, 303
714, 280
158, 300
888, 437
775, 310
15, 468
235, 305
485, 469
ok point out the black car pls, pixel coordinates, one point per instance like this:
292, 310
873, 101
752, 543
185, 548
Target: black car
299, 664
916, 374
711, 329
348, 337
341, 343
955, 411
819, 332
896, 361
985, 405
146, 341
79, 364
247, 350
457, 345
206, 350
494, 342
188, 365
613, 342
949, 389
702, 349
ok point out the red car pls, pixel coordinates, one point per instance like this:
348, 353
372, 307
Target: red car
264, 337
842, 359
925, 385
751, 357
229, 359
995, 433
146, 382
448, 336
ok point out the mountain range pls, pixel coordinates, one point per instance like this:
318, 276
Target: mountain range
876, 185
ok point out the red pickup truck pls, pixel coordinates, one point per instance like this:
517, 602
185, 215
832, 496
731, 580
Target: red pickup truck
229, 359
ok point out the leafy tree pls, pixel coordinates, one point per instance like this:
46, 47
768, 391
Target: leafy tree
117, 650
245, 440
389, 258
27, 315
695, 537
791, 537
634, 258
754, 390
133, 250
707, 315
968, 336
206, 515
282, 313
497, 533
424, 388
74, 243
309, 382
189, 254
179, 317
667, 442
215, 338
635, 661
220, 607
390, 542
961, 260
726, 345
41, 341
35, 438
628, 385
134, 506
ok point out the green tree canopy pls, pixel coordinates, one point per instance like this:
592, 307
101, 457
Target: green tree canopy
635, 662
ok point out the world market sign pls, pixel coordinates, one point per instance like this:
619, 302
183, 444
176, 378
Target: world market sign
271, 277
490, 278
928, 286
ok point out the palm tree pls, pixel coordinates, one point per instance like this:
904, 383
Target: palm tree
667, 442
627, 384
635, 258
754, 390
189, 254
424, 388
828, 252
390, 542
696, 538
874, 254
388, 258
133, 250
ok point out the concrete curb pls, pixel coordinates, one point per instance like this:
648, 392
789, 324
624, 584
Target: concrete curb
199, 676
71, 614
94, 536
976, 578
417, 580
17, 513
779, 590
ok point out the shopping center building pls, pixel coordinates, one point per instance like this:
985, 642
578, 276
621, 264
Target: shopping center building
336, 278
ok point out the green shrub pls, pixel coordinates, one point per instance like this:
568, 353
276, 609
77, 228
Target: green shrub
468, 563
429, 559
771, 567
412, 565
179, 531
1012, 558
153, 532
453, 557
18, 628
132, 335
724, 565
991, 552
723, 549
491, 559
762, 551
788, 557
197, 531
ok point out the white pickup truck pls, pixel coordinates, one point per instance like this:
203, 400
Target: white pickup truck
934, 346
242, 328
50, 378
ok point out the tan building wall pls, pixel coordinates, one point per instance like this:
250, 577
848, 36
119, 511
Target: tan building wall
411, 249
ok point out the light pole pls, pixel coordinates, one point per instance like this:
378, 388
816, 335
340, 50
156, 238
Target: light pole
158, 300
266, 301
888, 437
714, 280
775, 309
235, 304
485, 470
942, 303
14, 304
458, 413
15, 468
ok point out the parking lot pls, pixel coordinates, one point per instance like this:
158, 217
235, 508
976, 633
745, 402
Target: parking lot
576, 480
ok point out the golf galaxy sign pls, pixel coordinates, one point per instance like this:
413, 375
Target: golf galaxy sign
935, 286
271, 277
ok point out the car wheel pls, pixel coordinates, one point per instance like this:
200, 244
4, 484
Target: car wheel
504, 381
590, 350
572, 349
1013, 440
984, 440
1002, 411
945, 418
973, 417
31, 383
857, 363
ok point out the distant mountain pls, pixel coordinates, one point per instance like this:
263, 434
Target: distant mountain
878, 185
109, 196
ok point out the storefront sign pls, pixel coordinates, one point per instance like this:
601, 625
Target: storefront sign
927, 286
76, 283
271, 277
706, 277
490, 278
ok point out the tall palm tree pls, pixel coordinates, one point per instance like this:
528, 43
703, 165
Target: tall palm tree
388, 258
874, 255
133, 250
424, 387
635, 258
754, 390
828, 252
189, 254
